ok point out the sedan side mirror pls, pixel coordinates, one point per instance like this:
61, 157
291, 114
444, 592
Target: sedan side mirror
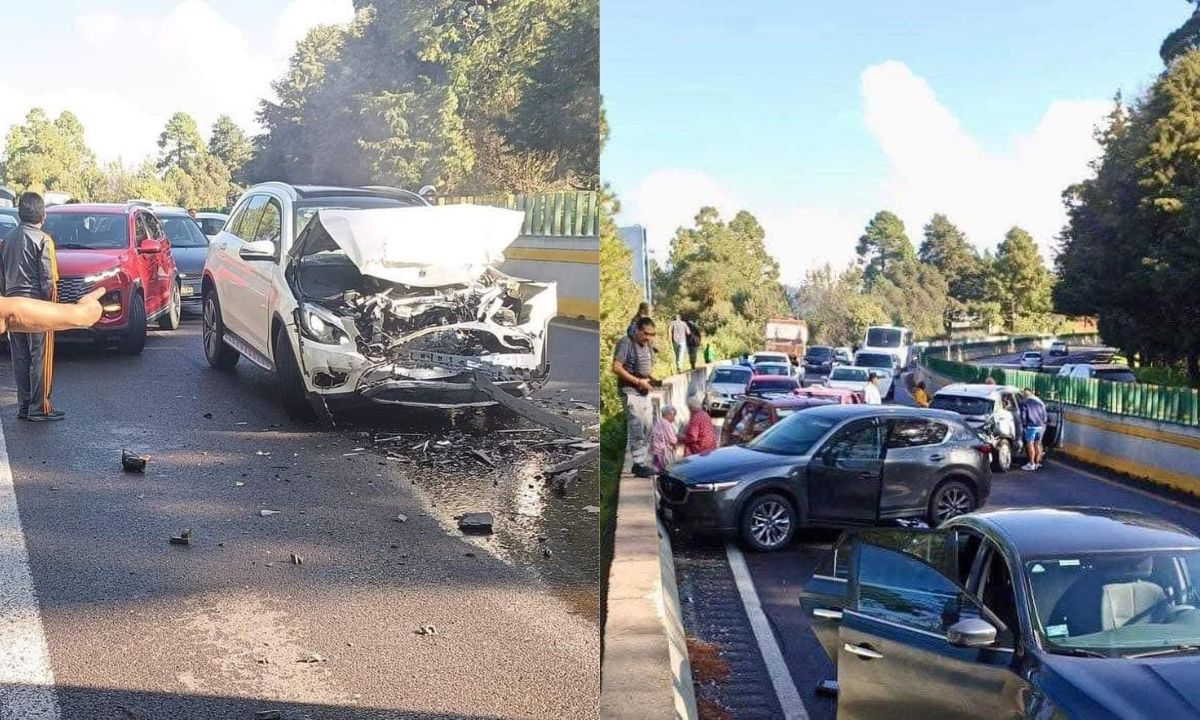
971, 633
258, 250
149, 246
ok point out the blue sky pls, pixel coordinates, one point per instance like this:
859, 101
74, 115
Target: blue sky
124, 66
815, 114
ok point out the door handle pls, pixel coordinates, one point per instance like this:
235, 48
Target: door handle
862, 651
937, 458
827, 614
866, 476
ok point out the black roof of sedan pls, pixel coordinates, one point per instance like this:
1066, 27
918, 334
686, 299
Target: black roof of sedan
1043, 531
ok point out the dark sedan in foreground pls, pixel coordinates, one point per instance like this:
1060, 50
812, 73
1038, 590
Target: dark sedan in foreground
832, 466
1039, 613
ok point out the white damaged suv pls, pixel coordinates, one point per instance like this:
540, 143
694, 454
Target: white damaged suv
371, 294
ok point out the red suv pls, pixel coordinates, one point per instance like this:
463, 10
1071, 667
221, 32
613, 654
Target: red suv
124, 249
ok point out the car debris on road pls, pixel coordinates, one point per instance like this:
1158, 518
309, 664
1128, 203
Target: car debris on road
131, 462
183, 538
476, 523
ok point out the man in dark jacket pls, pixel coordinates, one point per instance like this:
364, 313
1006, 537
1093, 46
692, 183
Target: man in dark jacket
29, 272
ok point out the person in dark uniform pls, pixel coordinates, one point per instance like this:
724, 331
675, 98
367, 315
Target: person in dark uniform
29, 272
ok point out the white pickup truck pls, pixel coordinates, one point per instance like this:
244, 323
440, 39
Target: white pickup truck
371, 294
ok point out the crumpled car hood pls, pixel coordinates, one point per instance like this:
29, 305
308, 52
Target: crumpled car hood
423, 246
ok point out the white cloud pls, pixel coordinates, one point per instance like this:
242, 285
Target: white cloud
935, 166
124, 74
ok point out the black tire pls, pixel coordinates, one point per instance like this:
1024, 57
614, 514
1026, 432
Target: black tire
170, 319
134, 339
1002, 458
292, 392
218, 354
768, 523
951, 499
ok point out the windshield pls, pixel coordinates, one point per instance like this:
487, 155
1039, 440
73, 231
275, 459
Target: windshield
876, 360
794, 436
884, 337
1117, 604
88, 231
730, 375
773, 385
819, 354
771, 369
1116, 375
306, 210
211, 226
962, 404
183, 232
848, 373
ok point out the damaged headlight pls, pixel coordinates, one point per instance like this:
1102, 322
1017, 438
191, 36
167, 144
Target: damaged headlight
320, 325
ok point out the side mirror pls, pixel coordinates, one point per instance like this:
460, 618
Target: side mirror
149, 246
971, 633
258, 250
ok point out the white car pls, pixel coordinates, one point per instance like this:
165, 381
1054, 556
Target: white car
725, 385
1031, 360
211, 223
782, 358
372, 294
1111, 372
854, 378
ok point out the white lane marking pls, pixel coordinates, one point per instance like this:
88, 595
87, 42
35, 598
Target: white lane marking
781, 677
26, 679
1123, 486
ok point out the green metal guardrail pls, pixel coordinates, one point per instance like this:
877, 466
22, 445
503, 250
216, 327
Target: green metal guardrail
555, 214
1149, 402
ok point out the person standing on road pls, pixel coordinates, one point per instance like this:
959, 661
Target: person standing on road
695, 337
871, 394
1033, 418
699, 435
679, 339
921, 395
664, 439
30, 271
633, 364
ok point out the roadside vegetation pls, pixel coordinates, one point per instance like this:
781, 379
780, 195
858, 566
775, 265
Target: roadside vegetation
468, 97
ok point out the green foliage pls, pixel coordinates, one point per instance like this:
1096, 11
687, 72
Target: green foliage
619, 297
202, 180
229, 144
1182, 40
883, 243
722, 276
474, 96
120, 183
947, 248
1019, 281
43, 154
179, 142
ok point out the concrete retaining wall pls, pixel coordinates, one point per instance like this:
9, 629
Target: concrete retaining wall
572, 262
646, 674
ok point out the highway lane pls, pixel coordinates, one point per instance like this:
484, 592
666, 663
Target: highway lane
231, 625
714, 610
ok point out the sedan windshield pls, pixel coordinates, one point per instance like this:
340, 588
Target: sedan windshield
819, 354
772, 369
772, 386
183, 232
851, 374
730, 375
88, 231
794, 436
1117, 604
878, 360
1116, 375
883, 337
962, 404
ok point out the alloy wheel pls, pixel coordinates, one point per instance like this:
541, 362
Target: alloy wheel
952, 502
770, 523
212, 342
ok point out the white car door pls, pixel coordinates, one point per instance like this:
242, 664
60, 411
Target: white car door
259, 275
233, 286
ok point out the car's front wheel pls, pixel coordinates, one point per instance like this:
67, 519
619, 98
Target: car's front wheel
768, 522
218, 354
1002, 458
951, 499
170, 319
293, 394
134, 339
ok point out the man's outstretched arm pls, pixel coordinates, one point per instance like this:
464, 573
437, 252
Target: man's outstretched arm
18, 314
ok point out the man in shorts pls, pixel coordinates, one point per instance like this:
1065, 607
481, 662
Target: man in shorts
1033, 418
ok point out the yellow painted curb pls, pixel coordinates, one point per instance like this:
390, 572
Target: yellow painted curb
1160, 476
1131, 430
582, 257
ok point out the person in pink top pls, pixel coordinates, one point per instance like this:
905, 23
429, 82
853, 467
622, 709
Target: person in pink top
663, 440
699, 435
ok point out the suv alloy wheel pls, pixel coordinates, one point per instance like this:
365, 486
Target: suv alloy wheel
768, 522
218, 354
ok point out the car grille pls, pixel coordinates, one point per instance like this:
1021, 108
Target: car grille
70, 289
671, 489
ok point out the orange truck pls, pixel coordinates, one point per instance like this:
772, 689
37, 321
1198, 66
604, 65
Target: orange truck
787, 335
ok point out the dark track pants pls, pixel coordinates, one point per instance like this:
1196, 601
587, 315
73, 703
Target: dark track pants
29, 367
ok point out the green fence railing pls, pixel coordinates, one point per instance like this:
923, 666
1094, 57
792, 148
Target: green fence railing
1150, 402
553, 214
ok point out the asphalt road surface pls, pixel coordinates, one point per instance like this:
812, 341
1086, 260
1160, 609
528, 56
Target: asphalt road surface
95, 604
714, 612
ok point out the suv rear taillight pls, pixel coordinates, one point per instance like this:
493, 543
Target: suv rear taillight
984, 449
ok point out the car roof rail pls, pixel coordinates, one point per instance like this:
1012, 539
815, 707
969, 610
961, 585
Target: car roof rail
395, 192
